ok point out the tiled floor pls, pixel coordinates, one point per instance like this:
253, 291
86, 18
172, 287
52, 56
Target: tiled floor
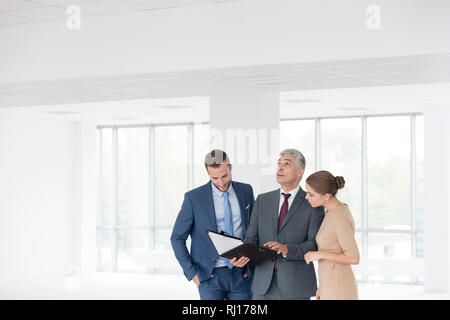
164, 287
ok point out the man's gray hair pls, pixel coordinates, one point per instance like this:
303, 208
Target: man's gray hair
297, 154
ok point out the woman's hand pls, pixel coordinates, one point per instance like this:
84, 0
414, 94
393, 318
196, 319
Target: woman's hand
312, 256
317, 294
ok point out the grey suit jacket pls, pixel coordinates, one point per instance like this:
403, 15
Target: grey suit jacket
296, 279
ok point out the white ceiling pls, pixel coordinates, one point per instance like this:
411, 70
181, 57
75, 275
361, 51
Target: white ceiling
338, 102
391, 71
167, 110
14, 12
389, 84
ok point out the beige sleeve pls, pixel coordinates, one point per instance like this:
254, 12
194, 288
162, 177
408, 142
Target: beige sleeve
345, 232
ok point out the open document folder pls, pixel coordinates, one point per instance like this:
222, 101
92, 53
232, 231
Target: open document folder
231, 247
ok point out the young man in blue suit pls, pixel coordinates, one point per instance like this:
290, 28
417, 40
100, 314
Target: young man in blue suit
219, 205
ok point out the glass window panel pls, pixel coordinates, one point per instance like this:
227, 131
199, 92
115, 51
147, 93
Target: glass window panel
201, 148
399, 279
389, 245
162, 240
419, 245
389, 179
359, 277
359, 240
133, 169
105, 214
132, 249
341, 155
419, 172
104, 249
171, 170
300, 134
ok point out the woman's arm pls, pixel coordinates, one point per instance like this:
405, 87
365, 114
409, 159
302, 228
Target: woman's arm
345, 236
340, 258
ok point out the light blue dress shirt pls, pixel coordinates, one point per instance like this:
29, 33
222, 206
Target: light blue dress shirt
218, 199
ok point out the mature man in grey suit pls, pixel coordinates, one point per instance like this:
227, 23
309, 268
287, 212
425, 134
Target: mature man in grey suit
284, 221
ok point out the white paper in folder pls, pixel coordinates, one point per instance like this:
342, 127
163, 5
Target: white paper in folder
224, 243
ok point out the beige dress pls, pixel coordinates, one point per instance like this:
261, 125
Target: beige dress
337, 235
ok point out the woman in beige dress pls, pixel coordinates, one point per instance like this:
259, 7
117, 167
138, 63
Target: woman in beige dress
337, 248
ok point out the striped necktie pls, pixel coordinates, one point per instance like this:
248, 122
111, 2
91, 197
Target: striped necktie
228, 219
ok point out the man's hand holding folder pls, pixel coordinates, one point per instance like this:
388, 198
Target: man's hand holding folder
279, 247
238, 252
242, 261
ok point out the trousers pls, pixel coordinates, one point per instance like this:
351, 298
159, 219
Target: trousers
226, 284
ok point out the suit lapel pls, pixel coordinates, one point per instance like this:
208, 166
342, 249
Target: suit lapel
274, 210
241, 201
209, 205
299, 197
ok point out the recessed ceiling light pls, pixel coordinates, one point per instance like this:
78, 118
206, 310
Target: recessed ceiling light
62, 112
174, 107
353, 109
124, 118
269, 84
301, 100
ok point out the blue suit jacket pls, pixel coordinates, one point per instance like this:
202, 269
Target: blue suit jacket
196, 215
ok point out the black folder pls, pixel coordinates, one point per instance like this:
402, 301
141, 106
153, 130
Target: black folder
231, 247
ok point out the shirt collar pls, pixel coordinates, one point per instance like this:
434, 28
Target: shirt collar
293, 192
216, 191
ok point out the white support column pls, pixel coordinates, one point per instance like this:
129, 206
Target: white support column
437, 206
246, 126
86, 184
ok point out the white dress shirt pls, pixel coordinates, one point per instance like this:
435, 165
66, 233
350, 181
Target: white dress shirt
293, 193
220, 215
290, 199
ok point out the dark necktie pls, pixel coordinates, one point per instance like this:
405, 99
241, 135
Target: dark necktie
283, 213
284, 210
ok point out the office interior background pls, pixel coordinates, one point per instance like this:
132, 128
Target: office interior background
107, 108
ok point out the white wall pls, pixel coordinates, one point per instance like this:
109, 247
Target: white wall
437, 199
87, 200
40, 198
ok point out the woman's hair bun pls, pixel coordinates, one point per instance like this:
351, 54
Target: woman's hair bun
340, 182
